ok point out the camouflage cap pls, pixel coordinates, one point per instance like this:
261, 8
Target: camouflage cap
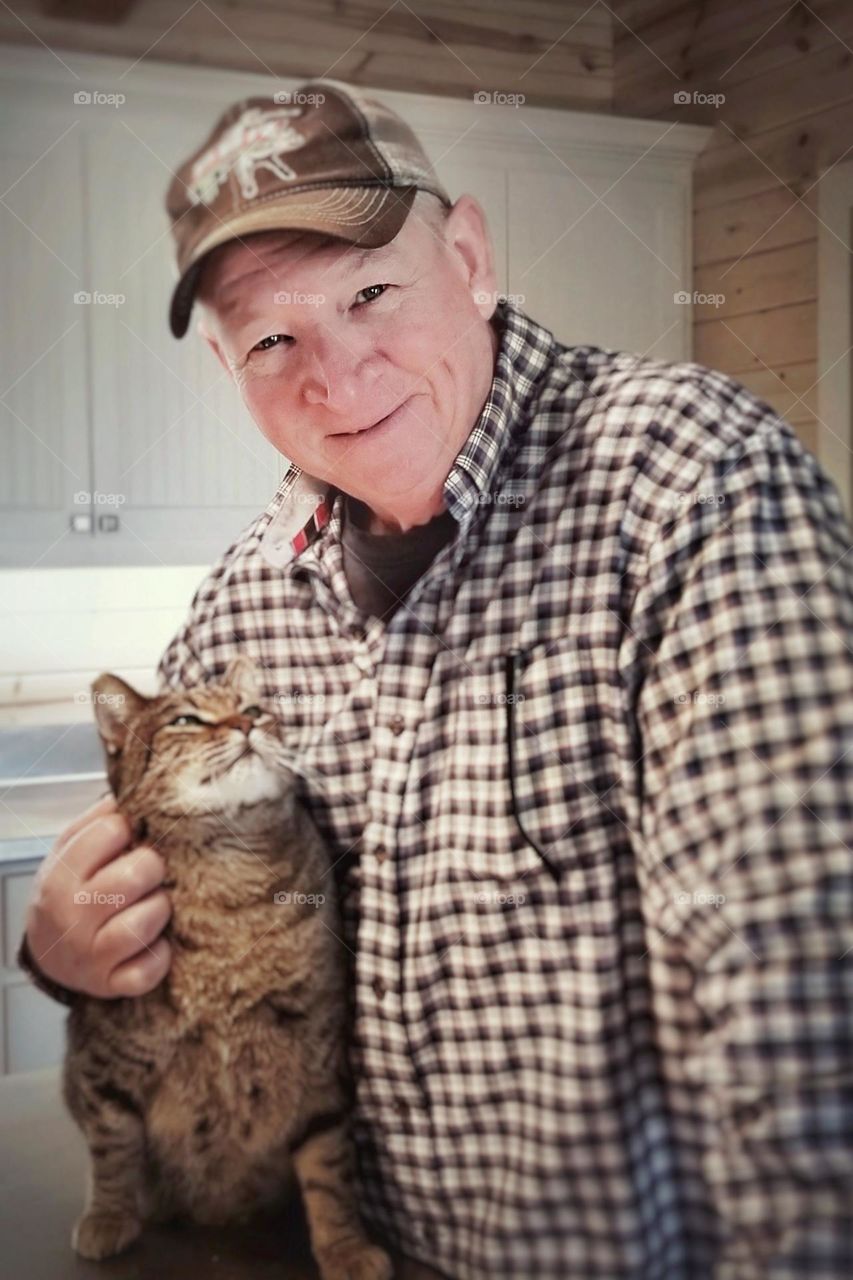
326, 157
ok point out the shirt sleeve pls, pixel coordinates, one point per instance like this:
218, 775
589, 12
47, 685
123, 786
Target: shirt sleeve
744, 721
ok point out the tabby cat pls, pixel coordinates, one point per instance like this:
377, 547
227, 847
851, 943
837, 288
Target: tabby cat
225, 1087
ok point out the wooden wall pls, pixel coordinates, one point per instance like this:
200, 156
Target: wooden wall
556, 52
786, 72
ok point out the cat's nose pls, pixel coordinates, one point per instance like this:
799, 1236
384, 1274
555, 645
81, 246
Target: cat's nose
243, 723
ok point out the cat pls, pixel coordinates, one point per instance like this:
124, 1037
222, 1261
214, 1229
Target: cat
220, 1090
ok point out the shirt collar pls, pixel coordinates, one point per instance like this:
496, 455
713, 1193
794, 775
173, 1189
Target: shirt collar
302, 506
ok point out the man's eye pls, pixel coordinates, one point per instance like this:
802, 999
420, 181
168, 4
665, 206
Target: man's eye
266, 344
187, 719
371, 287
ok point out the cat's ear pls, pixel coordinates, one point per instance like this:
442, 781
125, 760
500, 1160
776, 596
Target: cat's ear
116, 704
243, 676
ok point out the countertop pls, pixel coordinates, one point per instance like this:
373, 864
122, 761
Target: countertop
48, 775
42, 1182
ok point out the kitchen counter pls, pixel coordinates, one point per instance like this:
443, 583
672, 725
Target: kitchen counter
42, 1181
48, 775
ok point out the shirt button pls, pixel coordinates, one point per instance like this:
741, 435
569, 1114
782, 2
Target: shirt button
397, 724
380, 853
379, 988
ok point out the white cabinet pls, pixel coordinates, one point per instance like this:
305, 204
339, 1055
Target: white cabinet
140, 442
32, 1025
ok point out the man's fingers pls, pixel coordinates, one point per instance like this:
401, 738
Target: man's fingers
101, 807
131, 875
142, 972
131, 929
94, 844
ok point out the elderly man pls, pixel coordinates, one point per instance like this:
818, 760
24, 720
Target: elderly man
563, 637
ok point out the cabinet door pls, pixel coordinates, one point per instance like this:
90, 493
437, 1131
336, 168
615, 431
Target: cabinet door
44, 412
35, 1028
179, 463
33, 1025
602, 263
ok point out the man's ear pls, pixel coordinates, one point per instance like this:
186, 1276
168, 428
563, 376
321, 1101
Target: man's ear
467, 235
204, 331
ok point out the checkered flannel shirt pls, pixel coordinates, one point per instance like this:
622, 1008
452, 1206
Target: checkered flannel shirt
640, 1065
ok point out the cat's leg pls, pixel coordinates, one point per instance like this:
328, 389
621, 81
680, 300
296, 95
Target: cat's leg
114, 1130
324, 1165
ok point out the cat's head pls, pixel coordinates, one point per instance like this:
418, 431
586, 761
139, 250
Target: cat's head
209, 750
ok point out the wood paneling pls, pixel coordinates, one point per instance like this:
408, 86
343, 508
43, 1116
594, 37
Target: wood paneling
556, 52
786, 73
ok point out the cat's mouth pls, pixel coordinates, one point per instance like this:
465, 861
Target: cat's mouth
248, 750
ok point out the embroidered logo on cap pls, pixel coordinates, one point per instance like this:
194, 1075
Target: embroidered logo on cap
256, 141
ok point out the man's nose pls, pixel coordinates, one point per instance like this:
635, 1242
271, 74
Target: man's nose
334, 376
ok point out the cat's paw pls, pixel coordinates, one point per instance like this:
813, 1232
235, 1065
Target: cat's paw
101, 1235
356, 1260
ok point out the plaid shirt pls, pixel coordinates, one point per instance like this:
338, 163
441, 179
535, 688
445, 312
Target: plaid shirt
590, 795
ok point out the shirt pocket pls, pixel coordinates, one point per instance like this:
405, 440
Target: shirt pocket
563, 765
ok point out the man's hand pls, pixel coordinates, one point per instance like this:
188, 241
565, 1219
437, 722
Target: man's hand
97, 911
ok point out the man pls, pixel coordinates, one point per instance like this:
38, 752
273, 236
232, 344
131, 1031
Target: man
563, 638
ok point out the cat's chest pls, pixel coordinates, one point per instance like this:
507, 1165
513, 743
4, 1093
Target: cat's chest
224, 964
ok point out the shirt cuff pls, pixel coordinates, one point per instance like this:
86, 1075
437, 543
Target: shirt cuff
56, 991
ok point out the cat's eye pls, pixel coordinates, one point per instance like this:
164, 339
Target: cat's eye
253, 711
187, 719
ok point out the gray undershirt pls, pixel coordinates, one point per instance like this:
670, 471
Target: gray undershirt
381, 568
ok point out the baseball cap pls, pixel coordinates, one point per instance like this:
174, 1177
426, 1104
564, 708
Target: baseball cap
326, 157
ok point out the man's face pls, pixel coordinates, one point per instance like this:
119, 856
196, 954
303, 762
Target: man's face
324, 340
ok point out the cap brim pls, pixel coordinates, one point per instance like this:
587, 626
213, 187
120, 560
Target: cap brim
366, 216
